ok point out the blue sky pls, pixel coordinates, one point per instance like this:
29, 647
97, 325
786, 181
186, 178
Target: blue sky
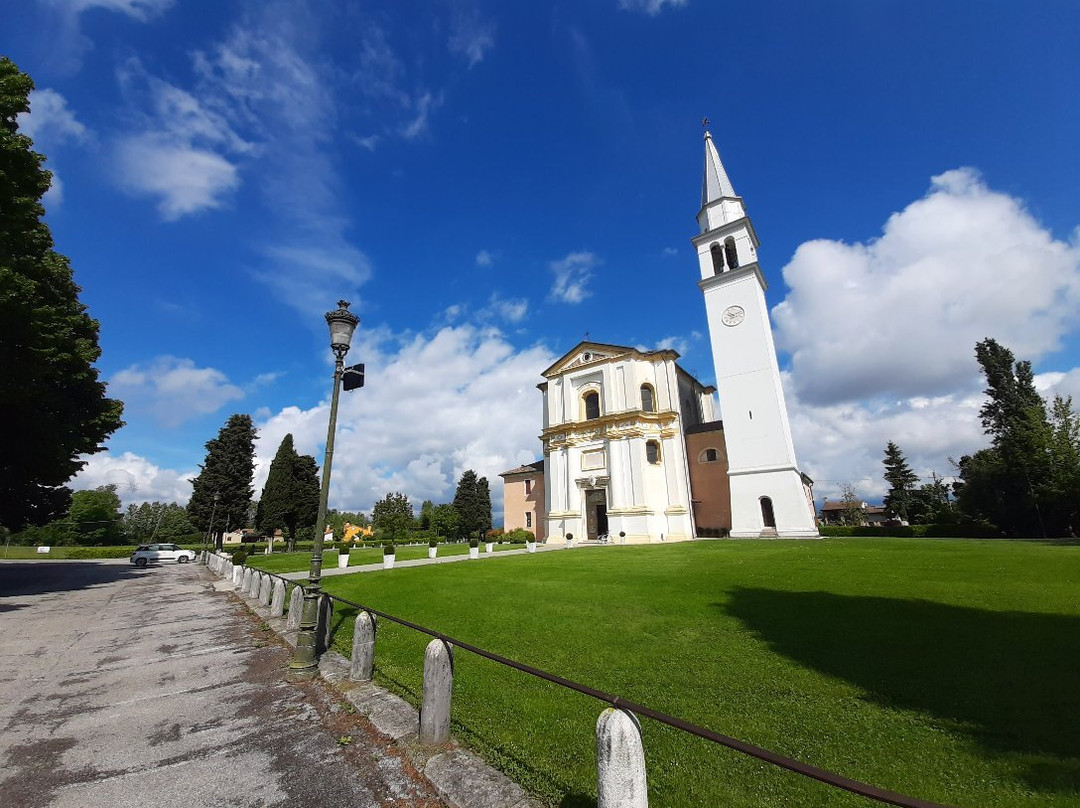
488, 182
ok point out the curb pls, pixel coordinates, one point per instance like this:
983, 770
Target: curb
461, 778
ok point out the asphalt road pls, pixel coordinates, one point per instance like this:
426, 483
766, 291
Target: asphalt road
149, 687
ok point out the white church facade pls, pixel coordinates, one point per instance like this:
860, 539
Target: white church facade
631, 442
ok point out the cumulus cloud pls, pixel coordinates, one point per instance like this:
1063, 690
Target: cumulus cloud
50, 121
572, 275
434, 406
136, 478
650, 7
900, 316
174, 390
485, 258
511, 310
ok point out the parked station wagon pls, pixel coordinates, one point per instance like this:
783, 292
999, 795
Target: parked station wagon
145, 553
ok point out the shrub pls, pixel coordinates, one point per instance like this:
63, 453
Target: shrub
388, 548
519, 536
99, 552
474, 542
433, 543
964, 531
494, 535
239, 557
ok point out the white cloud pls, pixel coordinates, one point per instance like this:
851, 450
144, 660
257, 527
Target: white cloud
50, 121
485, 258
423, 106
650, 7
669, 251
900, 316
141, 10
68, 43
174, 390
136, 478
434, 406
512, 310
572, 275
471, 38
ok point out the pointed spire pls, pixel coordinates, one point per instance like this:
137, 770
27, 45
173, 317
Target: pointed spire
716, 184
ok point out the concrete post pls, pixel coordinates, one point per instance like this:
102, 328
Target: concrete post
253, 584
227, 572
324, 626
296, 608
245, 587
620, 761
438, 686
363, 648
277, 602
237, 575
265, 585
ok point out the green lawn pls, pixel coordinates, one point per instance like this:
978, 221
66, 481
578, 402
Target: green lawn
299, 562
947, 670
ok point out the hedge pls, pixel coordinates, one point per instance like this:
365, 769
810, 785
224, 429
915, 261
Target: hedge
966, 531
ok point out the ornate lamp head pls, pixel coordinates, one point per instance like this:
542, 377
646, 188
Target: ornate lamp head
342, 323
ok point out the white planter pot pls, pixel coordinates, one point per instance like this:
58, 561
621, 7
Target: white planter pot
388, 562
622, 539
432, 552
570, 544
490, 547
474, 552
530, 547
342, 560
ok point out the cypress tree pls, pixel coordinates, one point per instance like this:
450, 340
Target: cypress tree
227, 472
472, 501
55, 409
290, 497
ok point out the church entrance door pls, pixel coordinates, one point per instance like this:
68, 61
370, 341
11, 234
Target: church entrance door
596, 522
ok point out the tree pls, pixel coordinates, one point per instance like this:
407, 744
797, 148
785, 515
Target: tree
95, 516
55, 409
853, 510
393, 515
472, 501
930, 505
226, 472
901, 480
159, 521
1028, 480
426, 511
290, 498
444, 520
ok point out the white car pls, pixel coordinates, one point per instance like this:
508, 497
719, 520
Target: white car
145, 553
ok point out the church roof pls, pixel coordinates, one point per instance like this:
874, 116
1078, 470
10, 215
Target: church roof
526, 469
716, 184
586, 352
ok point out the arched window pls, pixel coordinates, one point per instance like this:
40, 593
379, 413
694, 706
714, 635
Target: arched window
717, 258
709, 456
732, 253
648, 399
767, 517
652, 452
592, 405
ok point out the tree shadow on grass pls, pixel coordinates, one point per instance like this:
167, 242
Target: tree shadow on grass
1009, 680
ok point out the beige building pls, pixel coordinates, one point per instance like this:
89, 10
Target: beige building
523, 499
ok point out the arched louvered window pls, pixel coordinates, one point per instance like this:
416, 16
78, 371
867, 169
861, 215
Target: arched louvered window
717, 253
731, 252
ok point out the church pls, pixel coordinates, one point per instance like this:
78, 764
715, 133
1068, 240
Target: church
632, 446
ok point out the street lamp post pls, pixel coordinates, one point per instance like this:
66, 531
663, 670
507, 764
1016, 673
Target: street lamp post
213, 513
305, 663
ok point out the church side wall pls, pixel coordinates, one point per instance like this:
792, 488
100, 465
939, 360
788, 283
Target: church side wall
709, 481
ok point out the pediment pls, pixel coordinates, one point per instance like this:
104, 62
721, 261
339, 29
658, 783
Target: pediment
587, 353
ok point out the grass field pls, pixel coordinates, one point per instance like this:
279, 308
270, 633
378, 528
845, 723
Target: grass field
946, 670
299, 562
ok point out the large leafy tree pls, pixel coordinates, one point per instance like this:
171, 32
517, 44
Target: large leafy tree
55, 409
227, 473
444, 520
472, 501
901, 480
1028, 481
290, 498
159, 521
95, 516
393, 515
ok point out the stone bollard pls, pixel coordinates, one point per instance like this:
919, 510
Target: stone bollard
296, 609
202, 556
265, 587
237, 575
277, 602
620, 761
227, 572
438, 686
363, 648
324, 628
249, 581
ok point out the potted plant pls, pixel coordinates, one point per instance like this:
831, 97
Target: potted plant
622, 537
474, 548
388, 556
343, 555
489, 545
530, 544
432, 548
569, 541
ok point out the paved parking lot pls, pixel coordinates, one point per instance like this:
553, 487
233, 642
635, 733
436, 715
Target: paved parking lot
134, 687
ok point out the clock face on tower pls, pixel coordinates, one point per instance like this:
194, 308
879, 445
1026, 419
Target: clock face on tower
733, 315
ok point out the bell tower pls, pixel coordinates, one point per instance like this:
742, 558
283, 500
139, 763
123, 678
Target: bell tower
770, 497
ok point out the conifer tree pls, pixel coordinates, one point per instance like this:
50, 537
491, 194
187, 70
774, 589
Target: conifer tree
901, 480
227, 472
54, 407
472, 501
290, 497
